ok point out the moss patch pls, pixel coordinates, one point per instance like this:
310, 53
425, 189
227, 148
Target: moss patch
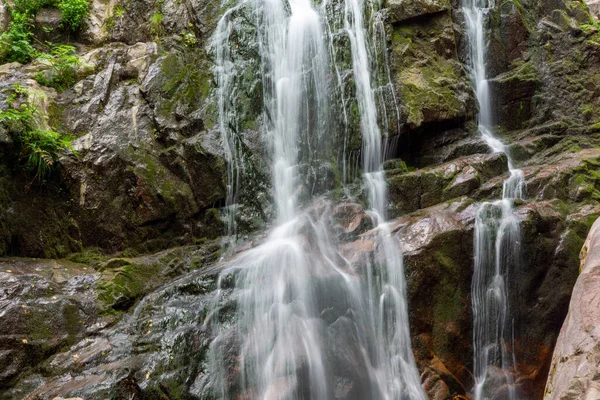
428, 73
122, 283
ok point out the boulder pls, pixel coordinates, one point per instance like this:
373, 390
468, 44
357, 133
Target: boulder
410, 191
49, 306
401, 10
48, 18
46, 306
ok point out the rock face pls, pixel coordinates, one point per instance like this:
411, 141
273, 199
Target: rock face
574, 371
50, 306
429, 78
594, 6
150, 173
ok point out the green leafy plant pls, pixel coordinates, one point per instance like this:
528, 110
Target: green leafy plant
188, 39
38, 148
63, 63
15, 43
119, 11
31, 6
73, 13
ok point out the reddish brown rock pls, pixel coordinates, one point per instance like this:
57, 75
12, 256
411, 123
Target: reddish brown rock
574, 373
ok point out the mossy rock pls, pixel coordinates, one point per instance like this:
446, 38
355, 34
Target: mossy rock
427, 73
122, 283
401, 10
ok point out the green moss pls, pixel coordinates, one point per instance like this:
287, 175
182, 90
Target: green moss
120, 287
87, 256
395, 166
162, 181
37, 325
187, 81
448, 302
584, 184
429, 81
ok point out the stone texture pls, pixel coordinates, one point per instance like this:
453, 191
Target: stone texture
4, 16
574, 372
594, 6
150, 174
401, 10
428, 77
410, 191
48, 18
48, 306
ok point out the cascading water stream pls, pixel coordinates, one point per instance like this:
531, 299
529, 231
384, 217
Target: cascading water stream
307, 321
392, 308
496, 241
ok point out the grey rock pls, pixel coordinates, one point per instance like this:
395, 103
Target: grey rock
4, 15
48, 18
594, 6
401, 10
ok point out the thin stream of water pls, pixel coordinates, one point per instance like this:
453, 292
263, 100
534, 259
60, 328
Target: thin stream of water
496, 240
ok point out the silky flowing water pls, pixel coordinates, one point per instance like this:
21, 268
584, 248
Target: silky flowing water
496, 241
307, 323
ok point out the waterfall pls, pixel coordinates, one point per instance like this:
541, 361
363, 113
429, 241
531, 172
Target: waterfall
395, 346
496, 240
308, 323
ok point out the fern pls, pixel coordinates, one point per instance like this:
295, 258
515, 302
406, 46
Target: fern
38, 148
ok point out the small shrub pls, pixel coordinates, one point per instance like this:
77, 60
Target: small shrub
15, 43
188, 39
38, 148
63, 62
73, 13
31, 6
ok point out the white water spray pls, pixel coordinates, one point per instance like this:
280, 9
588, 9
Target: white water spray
395, 350
309, 325
497, 240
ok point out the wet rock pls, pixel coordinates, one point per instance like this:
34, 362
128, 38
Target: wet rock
4, 16
513, 94
433, 185
401, 10
136, 21
100, 21
429, 79
574, 370
45, 306
58, 321
352, 220
567, 178
151, 183
465, 182
351, 373
125, 360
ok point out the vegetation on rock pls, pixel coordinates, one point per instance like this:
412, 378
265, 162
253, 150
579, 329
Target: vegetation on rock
38, 147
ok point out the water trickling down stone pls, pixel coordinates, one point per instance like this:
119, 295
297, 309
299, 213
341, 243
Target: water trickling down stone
497, 238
